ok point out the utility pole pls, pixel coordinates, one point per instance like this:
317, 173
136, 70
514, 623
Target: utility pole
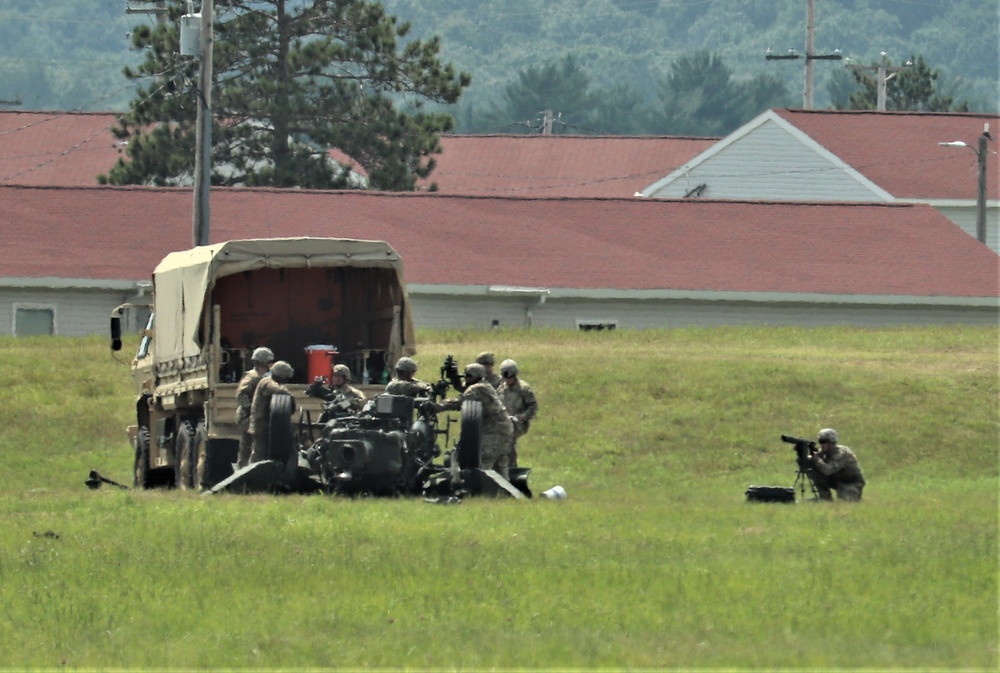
203, 131
810, 56
981, 187
883, 73
807, 87
981, 155
547, 122
159, 10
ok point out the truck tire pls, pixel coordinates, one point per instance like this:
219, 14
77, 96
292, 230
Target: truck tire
140, 469
470, 438
282, 433
185, 458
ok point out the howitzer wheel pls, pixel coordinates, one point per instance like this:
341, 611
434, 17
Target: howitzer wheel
140, 468
470, 439
282, 433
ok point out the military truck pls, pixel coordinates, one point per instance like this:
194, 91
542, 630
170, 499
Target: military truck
342, 299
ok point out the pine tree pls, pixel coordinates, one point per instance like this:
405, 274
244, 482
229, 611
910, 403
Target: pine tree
292, 80
913, 88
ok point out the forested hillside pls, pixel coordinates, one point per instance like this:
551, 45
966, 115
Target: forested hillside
613, 55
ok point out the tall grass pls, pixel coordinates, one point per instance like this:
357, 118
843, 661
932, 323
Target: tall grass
654, 561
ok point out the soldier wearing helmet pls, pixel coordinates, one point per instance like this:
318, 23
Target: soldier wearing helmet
260, 409
520, 402
497, 429
404, 383
487, 360
835, 467
261, 359
340, 383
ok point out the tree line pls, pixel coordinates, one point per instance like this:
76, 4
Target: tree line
294, 79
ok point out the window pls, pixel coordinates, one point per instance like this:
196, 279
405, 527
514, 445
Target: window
34, 320
596, 325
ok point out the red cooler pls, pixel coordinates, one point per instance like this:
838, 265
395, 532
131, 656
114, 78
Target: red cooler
320, 361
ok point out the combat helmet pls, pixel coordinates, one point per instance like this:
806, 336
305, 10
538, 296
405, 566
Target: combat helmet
263, 355
405, 364
475, 371
508, 368
282, 372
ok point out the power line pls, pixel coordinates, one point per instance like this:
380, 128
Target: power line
883, 73
810, 55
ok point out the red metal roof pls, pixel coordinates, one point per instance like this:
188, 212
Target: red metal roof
56, 148
72, 149
558, 165
899, 151
616, 244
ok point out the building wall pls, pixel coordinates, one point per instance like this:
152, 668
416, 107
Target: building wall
84, 313
459, 313
965, 217
75, 312
769, 164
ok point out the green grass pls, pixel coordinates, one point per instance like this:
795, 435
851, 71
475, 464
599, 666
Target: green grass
654, 561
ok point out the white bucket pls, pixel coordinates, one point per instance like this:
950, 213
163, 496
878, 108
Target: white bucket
555, 493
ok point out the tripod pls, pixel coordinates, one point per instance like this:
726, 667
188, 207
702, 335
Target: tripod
801, 479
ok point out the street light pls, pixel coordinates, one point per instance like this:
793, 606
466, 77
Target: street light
980, 182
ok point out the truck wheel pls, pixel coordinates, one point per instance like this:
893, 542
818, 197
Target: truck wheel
282, 434
470, 438
140, 469
184, 456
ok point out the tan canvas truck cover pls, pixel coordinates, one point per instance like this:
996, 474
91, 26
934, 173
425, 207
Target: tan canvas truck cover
183, 280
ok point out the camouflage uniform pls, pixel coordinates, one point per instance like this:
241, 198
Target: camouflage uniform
487, 359
260, 417
244, 398
354, 397
407, 386
519, 400
497, 429
351, 394
838, 470
411, 387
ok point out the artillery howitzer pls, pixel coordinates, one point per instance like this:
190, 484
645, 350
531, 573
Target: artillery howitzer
387, 449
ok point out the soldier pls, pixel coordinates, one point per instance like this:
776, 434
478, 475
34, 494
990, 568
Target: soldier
340, 383
497, 429
835, 467
519, 400
261, 359
260, 410
487, 359
403, 382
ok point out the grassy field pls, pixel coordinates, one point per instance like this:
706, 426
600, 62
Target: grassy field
655, 560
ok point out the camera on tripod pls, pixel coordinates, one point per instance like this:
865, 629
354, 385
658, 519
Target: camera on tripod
804, 449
